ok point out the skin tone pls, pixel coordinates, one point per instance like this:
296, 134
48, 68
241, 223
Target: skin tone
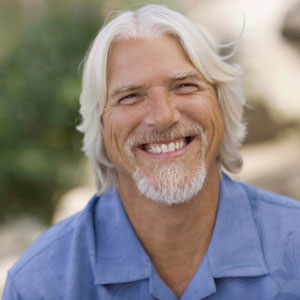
152, 86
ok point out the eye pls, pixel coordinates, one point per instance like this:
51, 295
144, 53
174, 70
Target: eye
186, 88
129, 96
130, 99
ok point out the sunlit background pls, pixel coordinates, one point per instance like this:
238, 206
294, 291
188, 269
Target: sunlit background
44, 177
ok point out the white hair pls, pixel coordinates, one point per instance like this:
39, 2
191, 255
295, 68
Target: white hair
147, 22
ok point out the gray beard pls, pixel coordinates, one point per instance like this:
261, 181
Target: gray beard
173, 183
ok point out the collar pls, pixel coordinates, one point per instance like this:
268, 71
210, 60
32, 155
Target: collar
120, 257
235, 248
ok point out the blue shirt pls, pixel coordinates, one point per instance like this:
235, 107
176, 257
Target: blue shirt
254, 254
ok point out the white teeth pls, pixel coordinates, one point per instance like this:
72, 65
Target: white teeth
171, 147
163, 148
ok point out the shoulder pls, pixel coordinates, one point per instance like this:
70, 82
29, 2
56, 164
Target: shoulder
47, 260
273, 212
277, 220
265, 205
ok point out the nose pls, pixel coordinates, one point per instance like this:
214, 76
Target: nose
162, 110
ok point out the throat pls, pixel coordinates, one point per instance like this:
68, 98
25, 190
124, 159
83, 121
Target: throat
176, 259
178, 272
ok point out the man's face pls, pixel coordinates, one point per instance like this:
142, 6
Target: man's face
162, 123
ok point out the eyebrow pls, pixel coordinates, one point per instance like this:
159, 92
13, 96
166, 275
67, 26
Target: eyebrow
180, 76
190, 74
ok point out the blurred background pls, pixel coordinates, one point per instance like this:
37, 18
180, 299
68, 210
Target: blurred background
44, 176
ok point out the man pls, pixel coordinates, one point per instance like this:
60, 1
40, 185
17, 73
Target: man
162, 116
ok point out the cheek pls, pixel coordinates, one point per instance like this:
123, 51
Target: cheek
126, 117
207, 113
119, 123
203, 111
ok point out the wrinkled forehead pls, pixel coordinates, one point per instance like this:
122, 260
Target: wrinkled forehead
137, 60
122, 49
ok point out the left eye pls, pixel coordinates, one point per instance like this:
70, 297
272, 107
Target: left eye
186, 88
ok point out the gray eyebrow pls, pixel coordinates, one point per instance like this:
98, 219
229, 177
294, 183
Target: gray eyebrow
190, 74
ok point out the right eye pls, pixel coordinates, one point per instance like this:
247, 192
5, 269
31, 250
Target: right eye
130, 99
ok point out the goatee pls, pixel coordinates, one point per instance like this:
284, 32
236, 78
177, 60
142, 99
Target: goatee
173, 183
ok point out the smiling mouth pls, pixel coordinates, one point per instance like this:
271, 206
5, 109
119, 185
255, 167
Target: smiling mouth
167, 146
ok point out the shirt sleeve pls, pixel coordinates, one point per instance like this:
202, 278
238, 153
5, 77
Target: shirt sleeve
10, 291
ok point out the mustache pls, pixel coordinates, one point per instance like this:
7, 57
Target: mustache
156, 135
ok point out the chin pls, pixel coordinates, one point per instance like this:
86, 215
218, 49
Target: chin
171, 184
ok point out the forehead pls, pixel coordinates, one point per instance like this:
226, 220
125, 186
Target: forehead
145, 59
159, 42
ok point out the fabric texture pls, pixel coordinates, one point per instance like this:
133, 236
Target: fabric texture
254, 254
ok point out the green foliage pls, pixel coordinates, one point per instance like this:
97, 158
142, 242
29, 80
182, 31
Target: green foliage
39, 91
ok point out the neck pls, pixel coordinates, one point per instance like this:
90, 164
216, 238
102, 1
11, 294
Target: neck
175, 237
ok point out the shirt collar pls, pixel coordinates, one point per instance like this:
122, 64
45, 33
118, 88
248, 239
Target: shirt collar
120, 257
235, 248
